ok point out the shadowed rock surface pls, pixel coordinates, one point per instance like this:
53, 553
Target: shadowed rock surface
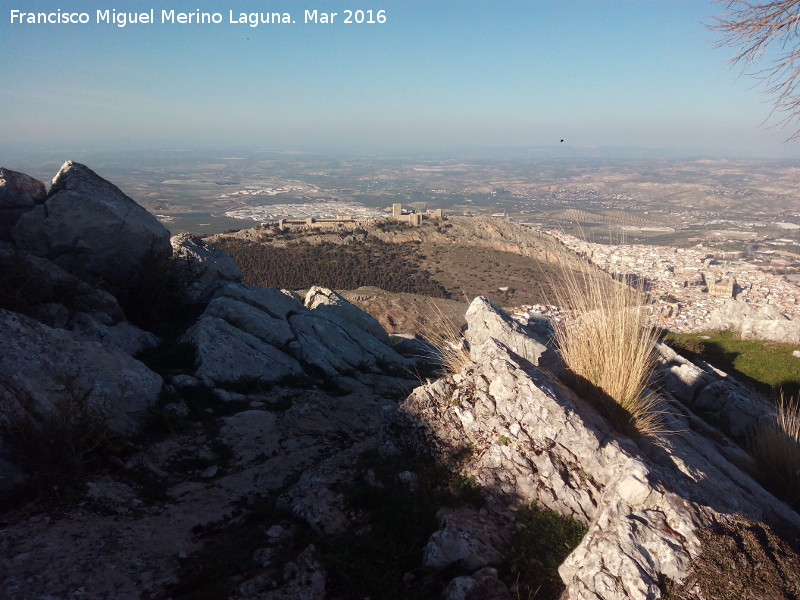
208, 268
88, 226
18, 194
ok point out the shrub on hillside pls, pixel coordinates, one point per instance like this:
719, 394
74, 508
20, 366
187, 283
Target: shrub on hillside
607, 348
775, 444
391, 267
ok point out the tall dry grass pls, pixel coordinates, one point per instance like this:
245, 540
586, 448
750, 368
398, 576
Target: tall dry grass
444, 335
607, 348
775, 444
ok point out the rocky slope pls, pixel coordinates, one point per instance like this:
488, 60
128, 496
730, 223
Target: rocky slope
268, 446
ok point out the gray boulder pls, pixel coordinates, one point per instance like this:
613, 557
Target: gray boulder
41, 289
484, 584
207, 267
43, 368
486, 320
765, 323
783, 331
89, 227
331, 305
19, 193
226, 353
267, 324
465, 538
275, 303
334, 347
713, 394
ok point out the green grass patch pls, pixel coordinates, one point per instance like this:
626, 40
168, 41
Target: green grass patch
541, 543
765, 366
382, 558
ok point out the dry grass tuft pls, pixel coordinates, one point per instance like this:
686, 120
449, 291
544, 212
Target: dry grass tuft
607, 348
775, 444
444, 335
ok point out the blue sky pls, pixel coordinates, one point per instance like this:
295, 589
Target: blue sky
438, 75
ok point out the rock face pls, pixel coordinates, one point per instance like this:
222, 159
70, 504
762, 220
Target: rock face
208, 268
730, 405
648, 507
89, 227
767, 324
334, 307
226, 353
488, 321
40, 289
249, 332
18, 194
117, 388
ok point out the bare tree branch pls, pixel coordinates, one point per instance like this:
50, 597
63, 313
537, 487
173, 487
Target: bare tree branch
767, 33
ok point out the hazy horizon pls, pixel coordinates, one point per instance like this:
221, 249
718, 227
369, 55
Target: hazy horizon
437, 77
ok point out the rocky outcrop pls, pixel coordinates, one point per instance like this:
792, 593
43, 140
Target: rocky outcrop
19, 193
207, 268
719, 398
249, 332
765, 324
648, 507
226, 353
783, 331
45, 368
334, 307
88, 226
40, 289
488, 321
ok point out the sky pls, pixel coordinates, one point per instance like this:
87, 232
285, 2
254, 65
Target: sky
438, 75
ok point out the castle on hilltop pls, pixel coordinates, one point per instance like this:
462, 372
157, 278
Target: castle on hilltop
398, 214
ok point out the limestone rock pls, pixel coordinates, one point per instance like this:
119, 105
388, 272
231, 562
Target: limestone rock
464, 538
43, 367
208, 267
89, 227
304, 577
334, 307
43, 290
414, 348
481, 585
730, 315
275, 303
486, 320
226, 353
528, 438
268, 328
251, 434
10, 475
717, 397
123, 335
783, 331
327, 345
768, 323
18, 194
273, 324
33, 281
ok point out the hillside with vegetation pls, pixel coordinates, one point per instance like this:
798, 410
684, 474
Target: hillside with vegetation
457, 258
